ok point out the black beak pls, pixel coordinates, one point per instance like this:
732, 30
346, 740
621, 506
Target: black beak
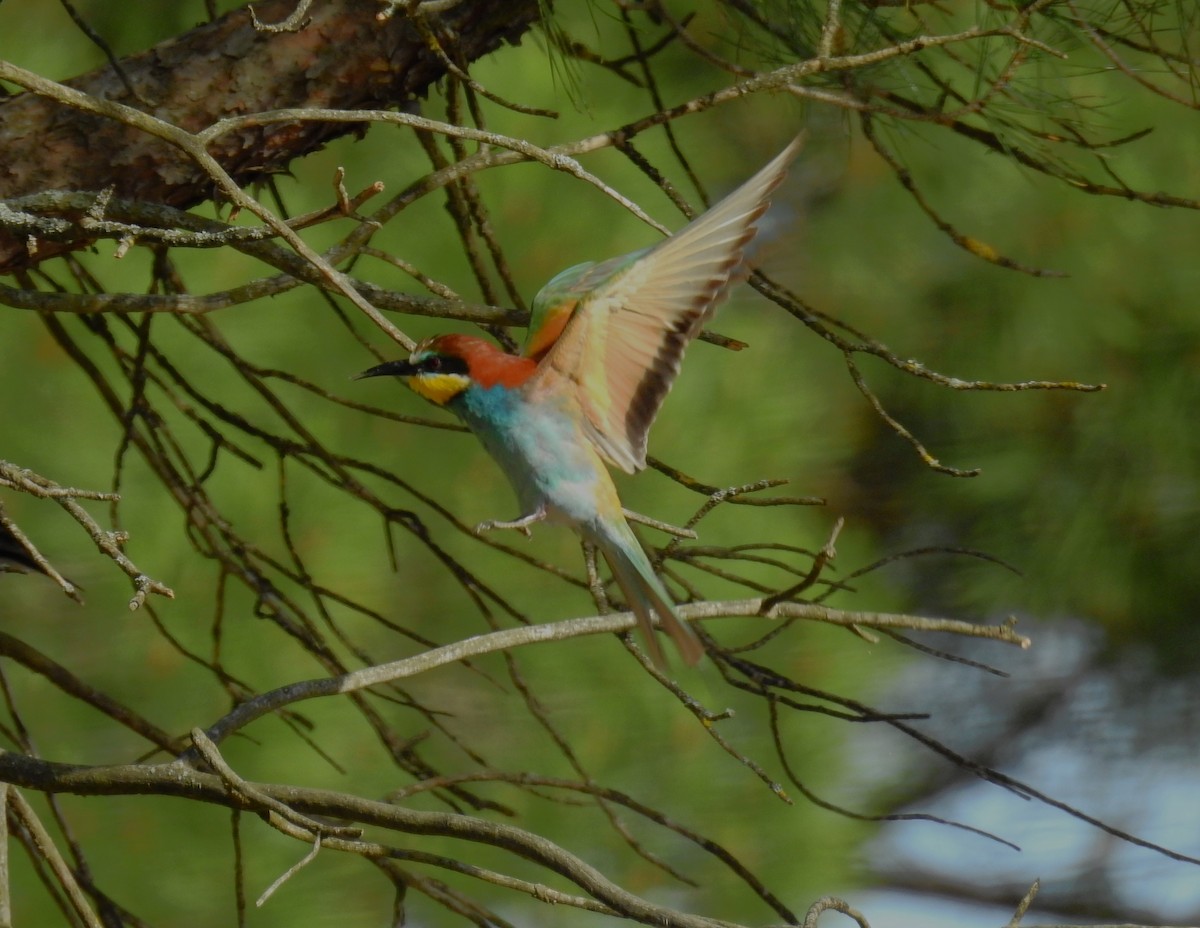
388, 369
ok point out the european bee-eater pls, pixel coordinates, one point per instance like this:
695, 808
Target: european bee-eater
13, 556
604, 346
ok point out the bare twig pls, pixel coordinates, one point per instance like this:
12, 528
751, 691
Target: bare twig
46, 849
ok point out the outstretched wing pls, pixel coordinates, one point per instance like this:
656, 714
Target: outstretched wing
616, 331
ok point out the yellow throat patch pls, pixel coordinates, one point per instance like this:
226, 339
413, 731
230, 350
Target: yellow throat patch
437, 388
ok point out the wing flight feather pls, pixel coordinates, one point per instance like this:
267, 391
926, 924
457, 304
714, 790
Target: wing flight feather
631, 318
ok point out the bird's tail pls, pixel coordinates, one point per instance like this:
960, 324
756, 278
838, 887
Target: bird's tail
645, 593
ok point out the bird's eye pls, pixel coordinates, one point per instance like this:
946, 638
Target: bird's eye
431, 365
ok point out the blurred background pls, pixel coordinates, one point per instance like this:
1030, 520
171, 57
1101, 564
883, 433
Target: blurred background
1090, 498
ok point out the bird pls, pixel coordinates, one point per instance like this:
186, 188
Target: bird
14, 556
603, 349
17, 558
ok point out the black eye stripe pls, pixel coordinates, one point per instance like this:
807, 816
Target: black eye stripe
441, 364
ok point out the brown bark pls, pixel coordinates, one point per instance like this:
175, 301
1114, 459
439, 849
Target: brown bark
344, 58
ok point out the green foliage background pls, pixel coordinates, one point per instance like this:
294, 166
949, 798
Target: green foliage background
1093, 497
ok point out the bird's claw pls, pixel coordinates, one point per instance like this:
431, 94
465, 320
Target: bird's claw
490, 524
521, 525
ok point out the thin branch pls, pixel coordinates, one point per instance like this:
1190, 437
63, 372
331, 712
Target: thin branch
22, 811
573, 628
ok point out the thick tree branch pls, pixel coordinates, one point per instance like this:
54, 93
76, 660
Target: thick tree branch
344, 58
179, 780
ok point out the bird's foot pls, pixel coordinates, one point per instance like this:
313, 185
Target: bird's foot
521, 525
